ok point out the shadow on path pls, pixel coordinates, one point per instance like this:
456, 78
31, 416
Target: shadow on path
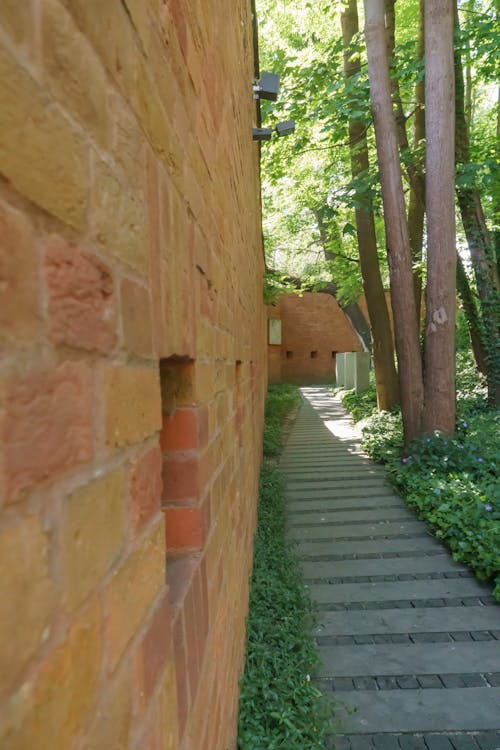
407, 637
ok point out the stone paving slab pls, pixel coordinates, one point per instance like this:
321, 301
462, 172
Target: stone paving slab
334, 531
333, 493
315, 517
367, 546
403, 659
406, 635
347, 502
393, 590
420, 711
445, 619
382, 567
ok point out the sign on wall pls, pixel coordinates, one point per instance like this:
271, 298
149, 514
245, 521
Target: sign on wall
275, 332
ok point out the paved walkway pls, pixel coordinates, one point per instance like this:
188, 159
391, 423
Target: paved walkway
406, 635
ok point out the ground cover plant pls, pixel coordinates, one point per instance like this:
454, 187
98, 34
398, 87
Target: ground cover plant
451, 481
279, 705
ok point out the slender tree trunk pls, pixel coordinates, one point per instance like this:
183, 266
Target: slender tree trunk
383, 350
396, 228
472, 317
414, 169
480, 242
440, 397
352, 310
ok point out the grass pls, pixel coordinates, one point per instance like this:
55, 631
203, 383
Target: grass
279, 705
451, 481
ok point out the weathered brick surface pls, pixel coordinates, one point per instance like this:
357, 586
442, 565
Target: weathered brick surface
19, 296
81, 298
93, 528
132, 372
48, 424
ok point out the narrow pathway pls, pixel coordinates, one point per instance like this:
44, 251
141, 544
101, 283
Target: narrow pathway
406, 635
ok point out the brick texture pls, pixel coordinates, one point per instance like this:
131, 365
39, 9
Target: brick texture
133, 371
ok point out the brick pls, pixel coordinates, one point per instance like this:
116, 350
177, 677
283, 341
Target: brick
47, 425
185, 429
81, 298
53, 177
73, 72
153, 653
146, 487
25, 582
15, 18
180, 478
118, 221
51, 709
181, 672
93, 523
132, 404
108, 28
132, 592
19, 298
136, 318
169, 709
185, 528
112, 726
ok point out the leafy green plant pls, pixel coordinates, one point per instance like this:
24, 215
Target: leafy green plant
451, 481
279, 705
280, 402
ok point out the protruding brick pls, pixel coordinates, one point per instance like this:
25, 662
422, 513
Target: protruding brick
26, 585
118, 219
81, 306
132, 592
15, 17
93, 524
43, 156
19, 305
112, 725
132, 404
51, 709
48, 424
136, 318
74, 73
146, 487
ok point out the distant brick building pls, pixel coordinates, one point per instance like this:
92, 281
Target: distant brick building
313, 329
132, 374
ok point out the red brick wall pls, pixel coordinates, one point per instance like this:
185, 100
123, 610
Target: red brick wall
313, 329
132, 372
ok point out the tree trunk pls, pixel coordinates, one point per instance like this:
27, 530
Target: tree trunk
383, 350
480, 242
414, 169
472, 317
396, 228
352, 310
440, 397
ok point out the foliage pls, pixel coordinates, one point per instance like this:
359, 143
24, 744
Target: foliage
279, 705
280, 402
452, 482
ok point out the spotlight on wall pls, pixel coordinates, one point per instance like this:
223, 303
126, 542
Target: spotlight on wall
268, 87
287, 127
262, 134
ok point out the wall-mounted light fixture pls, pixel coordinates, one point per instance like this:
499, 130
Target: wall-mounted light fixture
268, 87
287, 127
